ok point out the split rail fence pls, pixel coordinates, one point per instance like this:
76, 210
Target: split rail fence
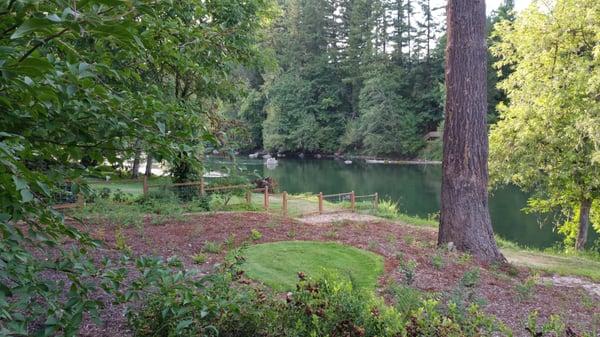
294, 205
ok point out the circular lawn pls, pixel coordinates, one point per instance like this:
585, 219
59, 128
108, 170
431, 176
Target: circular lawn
277, 264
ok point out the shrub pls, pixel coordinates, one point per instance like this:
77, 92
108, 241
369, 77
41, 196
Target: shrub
105, 193
408, 270
406, 299
387, 209
526, 288
470, 278
212, 247
121, 241
255, 235
199, 258
437, 261
120, 196
219, 305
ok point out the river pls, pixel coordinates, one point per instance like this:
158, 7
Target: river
416, 189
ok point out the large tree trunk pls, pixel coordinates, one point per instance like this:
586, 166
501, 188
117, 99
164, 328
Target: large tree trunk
148, 172
584, 220
465, 219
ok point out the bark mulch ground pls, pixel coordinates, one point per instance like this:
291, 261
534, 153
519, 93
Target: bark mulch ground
496, 289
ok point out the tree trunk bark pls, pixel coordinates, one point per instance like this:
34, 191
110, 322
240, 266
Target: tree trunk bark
148, 172
136, 160
584, 220
465, 219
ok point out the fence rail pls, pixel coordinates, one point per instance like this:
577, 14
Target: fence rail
302, 204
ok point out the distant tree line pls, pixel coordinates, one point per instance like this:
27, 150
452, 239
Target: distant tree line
352, 76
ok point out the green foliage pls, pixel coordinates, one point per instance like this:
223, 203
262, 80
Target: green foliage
546, 140
199, 258
470, 278
339, 86
255, 235
408, 269
212, 247
433, 150
406, 299
388, 124
330, 306
83, 85
526, 288
121, 241
554, 326
437, 261
387, 209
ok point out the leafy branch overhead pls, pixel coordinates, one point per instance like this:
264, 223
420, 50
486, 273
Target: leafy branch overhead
83, 82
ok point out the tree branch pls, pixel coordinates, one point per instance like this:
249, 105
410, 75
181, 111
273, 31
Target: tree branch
40, 43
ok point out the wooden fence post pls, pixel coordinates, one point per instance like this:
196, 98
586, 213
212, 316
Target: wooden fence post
376, 200
145, 188
320, 202
249, 197
352, 200
202, 190
266, 198
80, 200
284, 203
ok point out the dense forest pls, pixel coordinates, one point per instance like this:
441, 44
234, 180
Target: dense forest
353, 77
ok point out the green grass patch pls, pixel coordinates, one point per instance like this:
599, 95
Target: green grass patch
277, 264
562, 265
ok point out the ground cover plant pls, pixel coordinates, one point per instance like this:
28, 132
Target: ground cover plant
494, 290
224, 304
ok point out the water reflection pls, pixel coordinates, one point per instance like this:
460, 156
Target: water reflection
416, 188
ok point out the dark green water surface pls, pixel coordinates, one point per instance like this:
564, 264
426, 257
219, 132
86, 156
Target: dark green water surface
416, 189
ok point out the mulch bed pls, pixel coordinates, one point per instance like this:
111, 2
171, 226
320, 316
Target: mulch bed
496, 286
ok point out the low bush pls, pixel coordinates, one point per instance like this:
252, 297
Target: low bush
387, 209
408, 270
224, 305
212, 247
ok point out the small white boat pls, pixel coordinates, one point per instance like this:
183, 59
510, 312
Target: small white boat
347, 162
253, 155
375, 161
271, 161
215, 174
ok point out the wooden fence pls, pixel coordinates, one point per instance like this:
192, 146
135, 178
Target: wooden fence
309, 202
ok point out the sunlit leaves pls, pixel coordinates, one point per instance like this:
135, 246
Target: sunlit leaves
547, 138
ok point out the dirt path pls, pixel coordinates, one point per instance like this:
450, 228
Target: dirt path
337, 217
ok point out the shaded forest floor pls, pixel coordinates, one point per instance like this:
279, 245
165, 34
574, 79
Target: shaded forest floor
508, 292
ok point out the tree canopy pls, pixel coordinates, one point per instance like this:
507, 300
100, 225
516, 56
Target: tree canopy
89, 82
547, 138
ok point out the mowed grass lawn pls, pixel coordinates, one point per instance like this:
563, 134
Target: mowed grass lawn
277, 264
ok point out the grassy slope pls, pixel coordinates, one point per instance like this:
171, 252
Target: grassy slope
276, 264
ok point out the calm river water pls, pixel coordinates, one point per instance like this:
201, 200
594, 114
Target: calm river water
416, 188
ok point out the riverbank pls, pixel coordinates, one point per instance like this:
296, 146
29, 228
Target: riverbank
369, 159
